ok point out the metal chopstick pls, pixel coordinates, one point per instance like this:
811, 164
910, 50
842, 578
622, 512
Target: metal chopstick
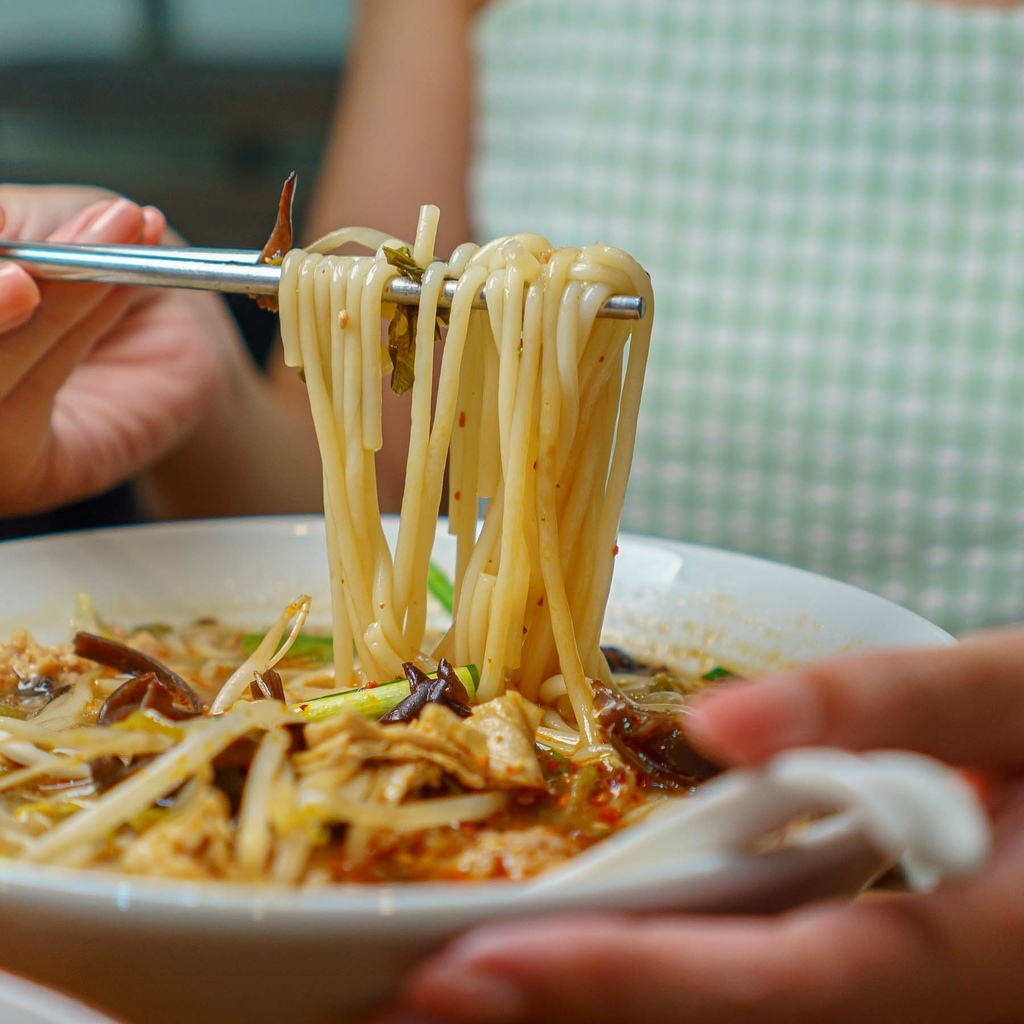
218, 270
230, 271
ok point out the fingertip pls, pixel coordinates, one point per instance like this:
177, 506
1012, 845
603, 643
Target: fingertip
478, 977
70, 229
744, 723
121, 221
154, 224
19, 297
473, 995
106, 221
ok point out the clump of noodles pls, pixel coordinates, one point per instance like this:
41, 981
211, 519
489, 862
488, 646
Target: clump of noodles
535, 416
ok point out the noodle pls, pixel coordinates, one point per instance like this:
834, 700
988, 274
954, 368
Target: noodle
535, 418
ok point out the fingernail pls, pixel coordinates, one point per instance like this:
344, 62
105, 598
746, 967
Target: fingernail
746, 722
3, 218
108, 218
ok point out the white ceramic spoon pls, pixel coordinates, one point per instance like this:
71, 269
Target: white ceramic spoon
892, 804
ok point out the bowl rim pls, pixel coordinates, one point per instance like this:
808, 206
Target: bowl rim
298, 524
226, 904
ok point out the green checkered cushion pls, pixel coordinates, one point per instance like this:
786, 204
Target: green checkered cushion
829, 195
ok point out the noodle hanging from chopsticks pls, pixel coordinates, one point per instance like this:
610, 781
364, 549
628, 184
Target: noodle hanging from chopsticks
535, 417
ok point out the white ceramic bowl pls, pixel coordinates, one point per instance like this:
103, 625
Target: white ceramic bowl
158, 953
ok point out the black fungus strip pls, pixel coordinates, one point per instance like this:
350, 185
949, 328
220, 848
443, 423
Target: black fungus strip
142, 693
620, 661
446, 689
131, 662
267, 686
651, 741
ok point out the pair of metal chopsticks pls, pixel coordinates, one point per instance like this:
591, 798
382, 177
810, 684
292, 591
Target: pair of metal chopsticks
217, 270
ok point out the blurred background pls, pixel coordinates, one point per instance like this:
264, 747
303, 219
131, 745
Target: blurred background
200, 107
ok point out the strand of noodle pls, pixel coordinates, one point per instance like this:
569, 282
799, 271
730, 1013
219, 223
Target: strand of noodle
463, 462
552, 688
437, 450
383, 634
314, 683
370, 332
383, 578
563, 741
479, 617
511, 585
343, 640
466, 647
598, 555
368, 238
288, 306
562, 626
360, 404
347, 402
488, 446
594, 330
593, 270
413, 508
526, 581
566, 332
348, 592
576, 530
464, 457
204, 739
21, 750
537, 658
509, 341
297, 310
622, 456
426, 235
328, 297
329, 294
460, 258
266, 655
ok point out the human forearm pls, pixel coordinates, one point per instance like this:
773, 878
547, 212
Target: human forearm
401, 131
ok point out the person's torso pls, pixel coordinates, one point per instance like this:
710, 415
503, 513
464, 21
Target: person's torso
829, 195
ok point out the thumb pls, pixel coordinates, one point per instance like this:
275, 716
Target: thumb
962, 704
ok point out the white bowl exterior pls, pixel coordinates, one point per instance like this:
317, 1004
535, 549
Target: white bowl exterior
266, 955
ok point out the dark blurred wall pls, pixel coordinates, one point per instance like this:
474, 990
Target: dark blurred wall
200, 107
